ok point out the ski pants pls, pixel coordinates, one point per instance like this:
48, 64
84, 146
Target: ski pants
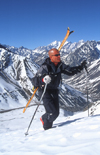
51, 104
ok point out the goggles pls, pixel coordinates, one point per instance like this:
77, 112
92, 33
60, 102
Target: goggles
56, 55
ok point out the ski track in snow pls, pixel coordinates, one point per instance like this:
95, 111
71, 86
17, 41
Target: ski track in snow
73, 135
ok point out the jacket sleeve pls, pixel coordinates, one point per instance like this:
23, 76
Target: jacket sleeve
66, 69
37, 79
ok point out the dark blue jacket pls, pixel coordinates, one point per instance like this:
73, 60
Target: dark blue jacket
48, 68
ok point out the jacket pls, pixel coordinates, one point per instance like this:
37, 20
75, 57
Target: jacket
48, 68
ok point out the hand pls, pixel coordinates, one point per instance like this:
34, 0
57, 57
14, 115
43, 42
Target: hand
33, 88
47, 79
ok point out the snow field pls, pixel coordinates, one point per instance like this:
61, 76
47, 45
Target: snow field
77, 134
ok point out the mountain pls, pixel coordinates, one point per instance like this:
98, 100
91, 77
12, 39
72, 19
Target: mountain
91, 52
19, 65
73, 132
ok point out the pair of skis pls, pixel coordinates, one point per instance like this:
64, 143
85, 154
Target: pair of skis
67, 35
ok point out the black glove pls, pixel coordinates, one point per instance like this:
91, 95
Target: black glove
84, 64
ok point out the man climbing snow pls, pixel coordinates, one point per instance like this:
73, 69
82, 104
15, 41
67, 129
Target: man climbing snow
50, 73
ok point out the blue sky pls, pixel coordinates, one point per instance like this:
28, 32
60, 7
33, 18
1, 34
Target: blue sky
34, 23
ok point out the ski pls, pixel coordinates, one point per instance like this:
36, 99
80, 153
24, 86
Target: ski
66, 37
30, 100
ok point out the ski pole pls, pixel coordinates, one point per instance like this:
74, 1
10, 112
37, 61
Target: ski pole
36, 109
87, 87
30, 100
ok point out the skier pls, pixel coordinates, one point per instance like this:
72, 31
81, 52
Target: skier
50, 73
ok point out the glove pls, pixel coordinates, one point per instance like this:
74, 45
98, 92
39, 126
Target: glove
84, 64
33, 88
46, 79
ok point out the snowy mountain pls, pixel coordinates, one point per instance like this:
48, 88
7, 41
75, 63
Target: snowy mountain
19, 65
73, 132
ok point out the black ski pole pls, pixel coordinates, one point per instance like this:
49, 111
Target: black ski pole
36, 109
87, 87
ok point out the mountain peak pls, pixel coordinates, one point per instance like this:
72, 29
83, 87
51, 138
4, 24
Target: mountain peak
55, 43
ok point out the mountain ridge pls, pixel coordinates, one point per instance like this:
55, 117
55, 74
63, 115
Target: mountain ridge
19, 65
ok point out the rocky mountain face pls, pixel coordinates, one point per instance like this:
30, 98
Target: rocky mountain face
91, 81
19, 65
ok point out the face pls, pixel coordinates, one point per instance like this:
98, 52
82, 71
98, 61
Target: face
55, 56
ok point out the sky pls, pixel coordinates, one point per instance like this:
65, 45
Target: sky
34, 23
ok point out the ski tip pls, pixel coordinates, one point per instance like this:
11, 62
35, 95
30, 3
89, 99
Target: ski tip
71, 32
68, 28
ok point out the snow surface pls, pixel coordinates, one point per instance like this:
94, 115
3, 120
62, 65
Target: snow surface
73, 135
11, 103
98, 46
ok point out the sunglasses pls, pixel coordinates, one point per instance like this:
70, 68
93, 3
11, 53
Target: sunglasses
56, 55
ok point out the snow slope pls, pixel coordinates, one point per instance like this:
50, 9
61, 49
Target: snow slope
73, 135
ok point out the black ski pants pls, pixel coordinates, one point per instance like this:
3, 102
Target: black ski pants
51, 104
